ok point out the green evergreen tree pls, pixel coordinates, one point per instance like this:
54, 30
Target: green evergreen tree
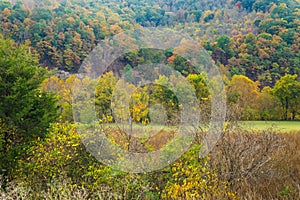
24, 108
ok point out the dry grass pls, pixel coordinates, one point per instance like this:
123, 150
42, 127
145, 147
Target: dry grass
259, 165
58, 189
155, 142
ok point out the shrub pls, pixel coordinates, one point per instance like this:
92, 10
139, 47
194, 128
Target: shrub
258, 164
192, 178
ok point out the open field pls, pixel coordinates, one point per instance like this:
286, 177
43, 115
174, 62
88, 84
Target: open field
280, 126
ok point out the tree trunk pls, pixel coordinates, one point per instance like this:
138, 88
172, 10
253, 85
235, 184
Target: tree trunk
294, 114
5, 142
286, 109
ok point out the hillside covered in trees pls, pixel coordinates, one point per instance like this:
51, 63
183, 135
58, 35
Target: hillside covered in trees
43, 45
259, 39
256, 39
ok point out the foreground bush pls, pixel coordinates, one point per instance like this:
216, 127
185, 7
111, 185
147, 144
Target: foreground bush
244, 164
60, 168
61, 156
192, 178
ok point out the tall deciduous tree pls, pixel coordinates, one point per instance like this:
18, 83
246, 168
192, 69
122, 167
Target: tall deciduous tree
103, 94
287, 90
246, 92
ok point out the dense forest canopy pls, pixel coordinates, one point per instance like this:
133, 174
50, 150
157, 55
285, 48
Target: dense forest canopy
259, 39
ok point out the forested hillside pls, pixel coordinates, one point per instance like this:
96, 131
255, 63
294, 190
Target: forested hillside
259, 39
47, 109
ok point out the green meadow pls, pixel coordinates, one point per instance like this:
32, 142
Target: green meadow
278, 126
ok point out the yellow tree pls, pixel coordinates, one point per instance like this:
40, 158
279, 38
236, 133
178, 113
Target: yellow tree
120, 101
53, 84
67, 97
140, 105
103, 95
244, 92
63, 91
199, 81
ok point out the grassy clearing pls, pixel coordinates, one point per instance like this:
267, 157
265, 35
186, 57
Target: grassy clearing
280, 126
